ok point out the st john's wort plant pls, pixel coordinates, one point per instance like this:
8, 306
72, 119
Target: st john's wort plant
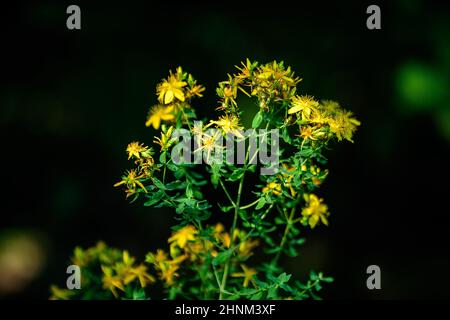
205, 260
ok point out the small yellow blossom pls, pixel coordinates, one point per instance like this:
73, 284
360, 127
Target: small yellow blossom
246, 247
287, 174
309, 133
229, 123
140, 272
315, 210
134, 149
343, 125
209, 143
80, 257
159, 257
170, 89
245, 70
111, 282
60, 294
196, 90
131, 179
247, 274
160, 113
169, 274
165, 141
273, 187
330, 106
303, 104
183, 235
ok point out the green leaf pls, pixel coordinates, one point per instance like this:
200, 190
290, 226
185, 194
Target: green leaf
154, 198
318, 286
203, 205
215, 180
272, 293
162, 157
139, 294
189, 192
284, 277
306, 152
175, 185
257, 296
261, 203
327, 279
225, 208
159, 184
236, 175
172, 167
286, 287
222, 257
257, 119
248, 291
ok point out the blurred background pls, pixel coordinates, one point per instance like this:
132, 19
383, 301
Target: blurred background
72, 100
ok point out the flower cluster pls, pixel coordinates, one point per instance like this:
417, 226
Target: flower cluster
105, 268
174, 96
239, 257
145, 165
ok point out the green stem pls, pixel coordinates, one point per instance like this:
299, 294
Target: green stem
250, 204
233, 228
310, 286
226, 192
286, 232
164, 173
186, 119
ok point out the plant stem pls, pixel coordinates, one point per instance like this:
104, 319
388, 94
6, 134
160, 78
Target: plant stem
233, 228
226, 192
250, 204
164, 173
286, 232
186, 119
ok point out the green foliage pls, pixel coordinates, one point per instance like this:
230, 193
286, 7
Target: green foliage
206, 260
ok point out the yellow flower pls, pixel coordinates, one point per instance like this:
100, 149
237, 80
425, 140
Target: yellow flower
80, 257
160, 113
229, 123
131, 179
309, 133
319, 117
222, 236
196, 90
168, 274
135, 148
208, 143
247, 274
273, 187
246, 69
315, 210
287, 174
303, 104
170, 89
246, 247
140, 272
111, 282
165, 141
159, 257
276, 71
183, 235
330, 106
343, 125
60, 294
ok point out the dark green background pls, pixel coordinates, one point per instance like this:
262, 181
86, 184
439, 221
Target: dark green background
72, 100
